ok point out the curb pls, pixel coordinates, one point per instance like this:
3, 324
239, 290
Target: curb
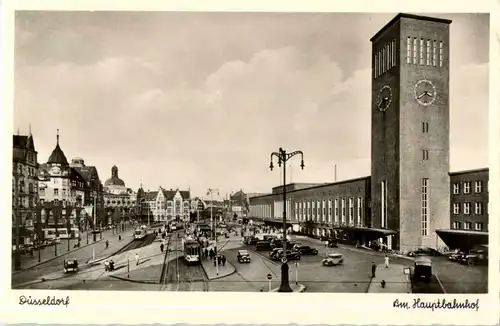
218, 277
113, 254
132, 281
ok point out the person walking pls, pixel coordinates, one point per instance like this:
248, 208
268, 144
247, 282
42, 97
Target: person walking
161, 247
386, 260
374, 269
223, 260
136, 259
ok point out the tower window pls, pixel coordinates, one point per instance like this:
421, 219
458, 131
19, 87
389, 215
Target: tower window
434, 49
393, 53
388, 51
408, 50
428, 53
383, 202
380, 63
425, 154
425, 127
414, 50
375, 66
383, 59
425, 206
441, 53
421, 51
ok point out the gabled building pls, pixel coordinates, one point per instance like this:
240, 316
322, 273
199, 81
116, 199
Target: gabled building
24, 185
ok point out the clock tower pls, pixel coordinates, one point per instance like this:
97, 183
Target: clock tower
410, 130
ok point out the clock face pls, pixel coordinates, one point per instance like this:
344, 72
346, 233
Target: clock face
384, 98
425, 92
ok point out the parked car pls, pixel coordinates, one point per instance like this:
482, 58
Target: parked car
424, 252
278, 243
263, 246
250, 240
422, 269
276, 253
458, 256
292, 255
333, 243
243, 256
333, 260
306, 250
475, 257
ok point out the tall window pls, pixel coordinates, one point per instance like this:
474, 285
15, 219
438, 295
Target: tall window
425, 127
324, 211
388, 59
415, 51
329, 210
351, 210
467, 186
479, 208
383, 59
296, 211
421, 51
393, 54
408, 50
434, 48
375, 65
336, 210
457, 225
343, 210
440, 53
478, 187
467, 208
425, 206
380, 63
384, 203
428, 53
456, 208
456, 188
360, 210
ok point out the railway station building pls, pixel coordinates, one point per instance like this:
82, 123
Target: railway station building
409, 200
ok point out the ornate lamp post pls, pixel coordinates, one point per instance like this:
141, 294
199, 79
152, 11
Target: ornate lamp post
283, 157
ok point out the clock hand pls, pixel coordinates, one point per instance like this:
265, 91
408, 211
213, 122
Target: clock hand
421, 95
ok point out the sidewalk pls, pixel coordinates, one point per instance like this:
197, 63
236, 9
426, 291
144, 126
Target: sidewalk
48, 253
396, 280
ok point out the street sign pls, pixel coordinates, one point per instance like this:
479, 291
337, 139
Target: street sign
284, 260
269, 276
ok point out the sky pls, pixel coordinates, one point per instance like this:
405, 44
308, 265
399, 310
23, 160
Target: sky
196, 100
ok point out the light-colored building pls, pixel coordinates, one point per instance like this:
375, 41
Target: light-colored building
117, 196
165, 205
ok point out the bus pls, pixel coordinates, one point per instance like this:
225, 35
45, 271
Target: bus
50, 233
140, 234
192, 252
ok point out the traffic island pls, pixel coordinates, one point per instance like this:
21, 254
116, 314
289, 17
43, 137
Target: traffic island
299, 288
211, 269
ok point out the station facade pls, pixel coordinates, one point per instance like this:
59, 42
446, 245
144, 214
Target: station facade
409, 195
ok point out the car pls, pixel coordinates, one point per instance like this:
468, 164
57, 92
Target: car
293, 255
424, 252
306, 250
458, 256
276, 253
251, 240
70, 265
278, 243
333, 259
263, 245
332, 243
475, 257
244, 256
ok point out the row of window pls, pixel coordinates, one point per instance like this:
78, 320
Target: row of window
424, 191
336, 210
26, 170
478, 226
385, 59
467, 185
424, 52
69, 192
478, 208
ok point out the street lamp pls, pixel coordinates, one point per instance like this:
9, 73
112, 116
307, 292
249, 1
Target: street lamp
283, 157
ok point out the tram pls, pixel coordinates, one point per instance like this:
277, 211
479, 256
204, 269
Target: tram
192, 252
140, 234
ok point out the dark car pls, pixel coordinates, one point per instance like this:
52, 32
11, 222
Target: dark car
424, 252
263, 246
251, 240
243, 256
306, 250
293, 255
333, 243
70, 265
277, 254
475, 257
276, 243
268, 237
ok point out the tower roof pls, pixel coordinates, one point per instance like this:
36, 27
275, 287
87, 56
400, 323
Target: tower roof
57, 156
411, 16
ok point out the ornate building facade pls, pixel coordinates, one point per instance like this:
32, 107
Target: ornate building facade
165, 205
117, 197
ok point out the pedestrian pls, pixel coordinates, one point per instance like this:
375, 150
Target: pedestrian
206, 253
107, 244
161, 247
211, 253
136, 259
374, 268
223, 260
219, 258
386, 259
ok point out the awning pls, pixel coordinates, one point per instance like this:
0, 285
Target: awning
463, 239
365, 229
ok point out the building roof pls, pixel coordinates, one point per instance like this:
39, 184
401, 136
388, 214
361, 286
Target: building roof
170, 194
23, 142
411, 16
114, 180
57, 156
470, 171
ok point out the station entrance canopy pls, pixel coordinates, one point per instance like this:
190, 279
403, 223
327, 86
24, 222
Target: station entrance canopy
463, 239
369, 233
